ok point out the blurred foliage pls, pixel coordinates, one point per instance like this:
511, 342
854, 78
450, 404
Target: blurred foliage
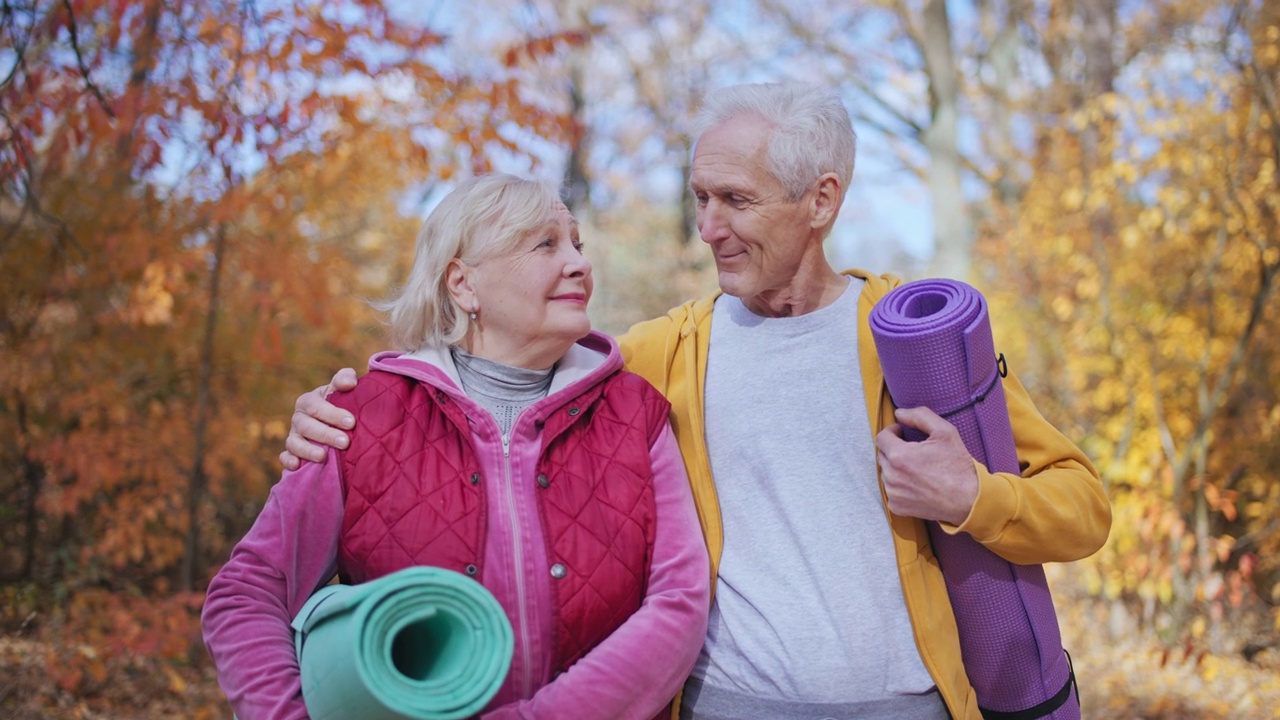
1138, 270
194, 199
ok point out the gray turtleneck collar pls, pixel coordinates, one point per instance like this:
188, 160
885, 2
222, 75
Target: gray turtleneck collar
503, 390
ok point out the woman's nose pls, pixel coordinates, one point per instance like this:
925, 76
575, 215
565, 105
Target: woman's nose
578, 264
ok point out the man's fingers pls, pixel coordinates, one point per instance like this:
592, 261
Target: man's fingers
922, 419
316, 420
289, 460
317, 430
313, 405
343, 380
889, 437
308, 431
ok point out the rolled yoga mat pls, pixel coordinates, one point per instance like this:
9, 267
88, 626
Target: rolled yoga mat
934, 342
423, 643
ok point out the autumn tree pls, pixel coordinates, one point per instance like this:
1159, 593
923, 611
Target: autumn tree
195, 199
1147, 241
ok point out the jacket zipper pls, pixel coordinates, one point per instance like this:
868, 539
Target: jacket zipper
518, 556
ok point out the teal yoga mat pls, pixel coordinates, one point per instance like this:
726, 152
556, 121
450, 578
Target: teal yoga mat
423, 643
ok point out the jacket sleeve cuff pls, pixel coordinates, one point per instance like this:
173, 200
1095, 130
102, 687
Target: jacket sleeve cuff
993, 509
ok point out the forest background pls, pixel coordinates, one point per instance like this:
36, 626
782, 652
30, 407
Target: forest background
198, 196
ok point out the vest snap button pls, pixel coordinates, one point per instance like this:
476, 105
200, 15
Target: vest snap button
472, 569
574, 411
475, 478
558, 571
542, 480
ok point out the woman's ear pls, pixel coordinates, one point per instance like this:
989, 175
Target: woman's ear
458, 279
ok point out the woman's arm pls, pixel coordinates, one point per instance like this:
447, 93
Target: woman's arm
639, 668
288, 553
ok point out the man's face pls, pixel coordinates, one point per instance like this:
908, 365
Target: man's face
758, 237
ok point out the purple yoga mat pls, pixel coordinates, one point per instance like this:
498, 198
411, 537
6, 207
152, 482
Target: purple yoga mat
934, 342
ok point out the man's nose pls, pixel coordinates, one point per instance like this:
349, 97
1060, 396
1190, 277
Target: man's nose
713, 221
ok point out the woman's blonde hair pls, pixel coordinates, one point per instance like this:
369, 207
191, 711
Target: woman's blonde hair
480, 218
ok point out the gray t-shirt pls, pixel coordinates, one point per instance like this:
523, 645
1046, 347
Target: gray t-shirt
809, 609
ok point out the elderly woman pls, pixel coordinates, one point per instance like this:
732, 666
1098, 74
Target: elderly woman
506, 443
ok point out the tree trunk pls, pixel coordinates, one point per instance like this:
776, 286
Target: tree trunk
33, 473
688, 210
197, 486
952, 226
576, 177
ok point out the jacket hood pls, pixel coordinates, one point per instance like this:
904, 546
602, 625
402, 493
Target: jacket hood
588, 361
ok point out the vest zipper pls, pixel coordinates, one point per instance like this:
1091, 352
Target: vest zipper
518, 556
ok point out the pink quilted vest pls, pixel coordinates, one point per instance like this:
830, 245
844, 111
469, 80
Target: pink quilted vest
411, 486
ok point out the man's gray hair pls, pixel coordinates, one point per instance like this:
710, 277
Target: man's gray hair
811, 130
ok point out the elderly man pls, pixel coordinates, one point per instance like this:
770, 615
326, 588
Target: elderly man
828, 599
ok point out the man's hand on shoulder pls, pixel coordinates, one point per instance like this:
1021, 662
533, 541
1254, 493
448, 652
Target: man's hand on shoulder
316, 420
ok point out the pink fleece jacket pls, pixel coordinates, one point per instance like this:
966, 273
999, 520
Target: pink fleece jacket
291, 551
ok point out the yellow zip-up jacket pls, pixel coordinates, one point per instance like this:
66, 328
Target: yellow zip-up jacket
1056, 511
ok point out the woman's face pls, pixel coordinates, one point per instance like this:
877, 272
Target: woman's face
532, 298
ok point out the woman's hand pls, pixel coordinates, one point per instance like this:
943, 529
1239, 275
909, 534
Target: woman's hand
316, 420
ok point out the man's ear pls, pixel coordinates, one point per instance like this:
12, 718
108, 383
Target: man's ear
457, 279
825, 203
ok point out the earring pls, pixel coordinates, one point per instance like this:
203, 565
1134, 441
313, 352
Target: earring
472, 314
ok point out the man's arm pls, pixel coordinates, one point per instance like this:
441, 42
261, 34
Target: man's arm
316, 420
1055, 510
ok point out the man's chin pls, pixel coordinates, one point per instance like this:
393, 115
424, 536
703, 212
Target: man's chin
732, 283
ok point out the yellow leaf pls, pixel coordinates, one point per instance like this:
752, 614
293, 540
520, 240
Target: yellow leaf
176, 683
1073, 198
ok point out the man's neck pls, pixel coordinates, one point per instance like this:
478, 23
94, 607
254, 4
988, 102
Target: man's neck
807, 292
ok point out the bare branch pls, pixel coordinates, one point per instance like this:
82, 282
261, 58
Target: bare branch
84, 69
800, 30
30, 200
19, 43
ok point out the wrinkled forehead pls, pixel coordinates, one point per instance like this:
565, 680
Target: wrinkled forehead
552, 219
733, 149
561, 214
558, 218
